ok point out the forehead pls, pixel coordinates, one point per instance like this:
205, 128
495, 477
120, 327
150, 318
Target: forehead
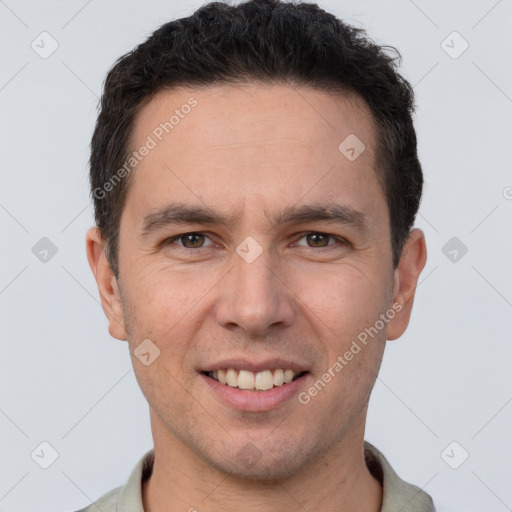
232, 145
253, 112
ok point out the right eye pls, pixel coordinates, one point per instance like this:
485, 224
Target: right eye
188, 240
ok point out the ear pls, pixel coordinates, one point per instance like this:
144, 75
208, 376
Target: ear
412, 262
107, 283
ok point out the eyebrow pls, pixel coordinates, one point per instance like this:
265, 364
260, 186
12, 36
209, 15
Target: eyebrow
176, 214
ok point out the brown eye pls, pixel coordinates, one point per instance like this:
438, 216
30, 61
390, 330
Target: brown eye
185, 241
192, 240
318, 239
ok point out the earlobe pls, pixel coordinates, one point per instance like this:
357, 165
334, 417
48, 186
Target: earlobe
107, 284
412, 262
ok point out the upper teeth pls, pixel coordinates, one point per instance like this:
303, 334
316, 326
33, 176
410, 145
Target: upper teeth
245, 379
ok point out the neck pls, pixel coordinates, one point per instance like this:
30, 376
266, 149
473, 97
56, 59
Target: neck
338, 481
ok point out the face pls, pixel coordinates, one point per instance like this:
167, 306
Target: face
251, 244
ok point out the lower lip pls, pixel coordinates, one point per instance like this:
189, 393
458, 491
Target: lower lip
255, 401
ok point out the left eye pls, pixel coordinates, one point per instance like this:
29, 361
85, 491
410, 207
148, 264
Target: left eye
190, 240
315, 239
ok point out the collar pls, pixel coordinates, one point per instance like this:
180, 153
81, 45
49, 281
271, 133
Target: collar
397, 494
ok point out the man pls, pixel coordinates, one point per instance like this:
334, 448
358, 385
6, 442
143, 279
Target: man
255, 179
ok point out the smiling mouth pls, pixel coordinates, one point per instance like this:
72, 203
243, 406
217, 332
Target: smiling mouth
254, 381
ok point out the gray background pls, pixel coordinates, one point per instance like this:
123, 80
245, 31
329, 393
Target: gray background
64, 381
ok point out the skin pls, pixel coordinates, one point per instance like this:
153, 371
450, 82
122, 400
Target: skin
253, 150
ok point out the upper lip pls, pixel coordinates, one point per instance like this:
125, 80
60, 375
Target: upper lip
255, 366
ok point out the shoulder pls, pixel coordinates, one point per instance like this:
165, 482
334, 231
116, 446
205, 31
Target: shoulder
128, 496
397, 493
107, 503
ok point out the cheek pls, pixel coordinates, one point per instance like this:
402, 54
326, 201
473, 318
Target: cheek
161, 310
168, 306
347, 299
162, 294
155, 306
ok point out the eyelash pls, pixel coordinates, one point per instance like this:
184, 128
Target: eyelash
340, 240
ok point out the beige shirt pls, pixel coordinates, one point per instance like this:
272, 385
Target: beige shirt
397, 494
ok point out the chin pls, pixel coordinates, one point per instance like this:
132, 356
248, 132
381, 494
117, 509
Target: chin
260, 462
262, 472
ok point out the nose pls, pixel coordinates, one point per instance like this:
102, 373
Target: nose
255, 296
